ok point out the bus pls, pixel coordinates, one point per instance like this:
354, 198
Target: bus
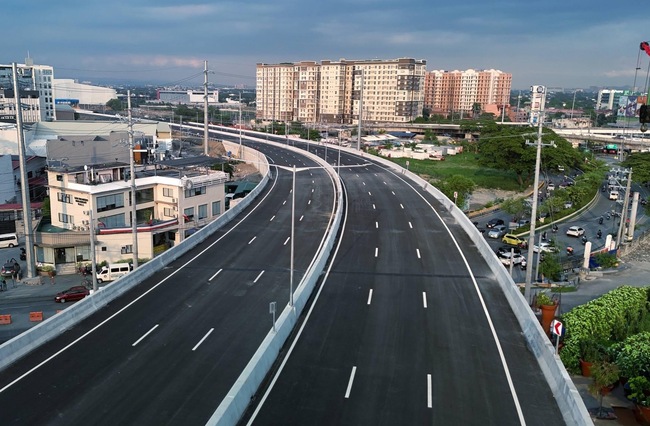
8, 240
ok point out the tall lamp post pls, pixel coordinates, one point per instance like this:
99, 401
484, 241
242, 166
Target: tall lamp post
134, 222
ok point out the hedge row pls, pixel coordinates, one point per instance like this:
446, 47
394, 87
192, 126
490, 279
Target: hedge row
611, 317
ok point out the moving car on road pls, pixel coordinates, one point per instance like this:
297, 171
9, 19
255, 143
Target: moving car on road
494, 222
497, 231
508, 258
514, 240
77, 292
575, 231
544, 247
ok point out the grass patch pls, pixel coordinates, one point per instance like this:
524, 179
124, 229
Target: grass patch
465, 164
564, 289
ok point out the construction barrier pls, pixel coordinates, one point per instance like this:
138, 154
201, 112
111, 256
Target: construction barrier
5, 319
36, 316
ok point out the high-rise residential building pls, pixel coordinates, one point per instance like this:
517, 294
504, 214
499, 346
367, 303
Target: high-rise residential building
448, 92
36, 92
608, 99
333, 91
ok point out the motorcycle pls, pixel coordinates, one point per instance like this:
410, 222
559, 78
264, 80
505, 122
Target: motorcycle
600, 220
23, 254
523, 264
584, 240
607, 216
569, 251
599, 234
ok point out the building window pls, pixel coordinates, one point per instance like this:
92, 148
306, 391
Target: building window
127, 249
203, 211
144, 196
64, 198
167, 212
115, 221
110, 202
66, 218
168, 192
216, 208
195, 192
188, 214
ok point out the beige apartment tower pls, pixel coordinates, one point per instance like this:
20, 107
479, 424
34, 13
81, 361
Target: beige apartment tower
448, 92
331, 92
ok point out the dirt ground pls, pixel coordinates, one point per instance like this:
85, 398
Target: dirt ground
481, 196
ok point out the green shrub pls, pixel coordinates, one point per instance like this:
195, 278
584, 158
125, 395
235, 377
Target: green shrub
613, 316
633, 355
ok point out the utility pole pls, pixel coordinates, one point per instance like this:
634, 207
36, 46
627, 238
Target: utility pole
621, 226
134, 221
205, 110
24, 183
541, 95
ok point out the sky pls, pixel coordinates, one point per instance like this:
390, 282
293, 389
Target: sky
568, 44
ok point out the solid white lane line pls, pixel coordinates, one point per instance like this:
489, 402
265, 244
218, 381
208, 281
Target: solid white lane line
410, 225
301, 218
145, 334
286, 241
424, 299
215, 274
376, 251
258, 277
347, 391
401, 205
418, 252
252, 240
204, 337
377, 225
429, 395
272, 218
370, 296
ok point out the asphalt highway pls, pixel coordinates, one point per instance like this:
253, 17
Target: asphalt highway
169, 350
408, 326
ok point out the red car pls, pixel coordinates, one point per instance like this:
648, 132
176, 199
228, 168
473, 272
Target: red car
73, 293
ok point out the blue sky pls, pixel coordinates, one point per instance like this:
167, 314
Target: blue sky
571, 44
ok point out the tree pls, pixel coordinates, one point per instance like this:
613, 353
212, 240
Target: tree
457, 183
640, 165
515, 206
115, 105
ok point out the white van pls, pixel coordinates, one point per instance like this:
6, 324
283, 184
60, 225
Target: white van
613, 195
8, 240
113, 271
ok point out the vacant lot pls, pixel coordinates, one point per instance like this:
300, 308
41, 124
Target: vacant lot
463, 164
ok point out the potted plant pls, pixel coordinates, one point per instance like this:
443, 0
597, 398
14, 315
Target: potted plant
605, 375
548, 307
640, 395
47, 270
590, 351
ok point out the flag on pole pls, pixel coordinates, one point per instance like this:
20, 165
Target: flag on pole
645, 46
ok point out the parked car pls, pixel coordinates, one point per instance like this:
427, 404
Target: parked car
550, 186
544, 247
497, 231
514, 240
515, 258
494, 222
575, 231
523, 222
77, 292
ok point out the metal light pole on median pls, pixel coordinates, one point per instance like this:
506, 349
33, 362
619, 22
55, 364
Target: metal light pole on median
134, 223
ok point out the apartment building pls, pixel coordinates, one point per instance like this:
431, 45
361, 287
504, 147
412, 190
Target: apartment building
608, 99
95, 201
448, 92
337, 91
35, 84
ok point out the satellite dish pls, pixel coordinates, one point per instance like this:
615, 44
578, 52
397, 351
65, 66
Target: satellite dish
188, 184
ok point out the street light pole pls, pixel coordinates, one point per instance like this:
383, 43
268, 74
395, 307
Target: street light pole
293, 227
93, 258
